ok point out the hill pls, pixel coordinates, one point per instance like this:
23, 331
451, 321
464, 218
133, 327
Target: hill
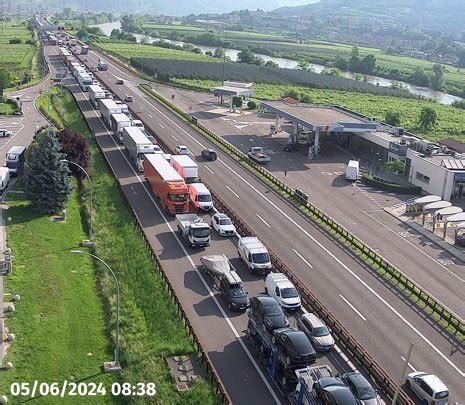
437, 15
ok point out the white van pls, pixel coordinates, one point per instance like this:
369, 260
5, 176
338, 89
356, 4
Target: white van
278, 286
200, 197
352, 170
4, 178
254, 254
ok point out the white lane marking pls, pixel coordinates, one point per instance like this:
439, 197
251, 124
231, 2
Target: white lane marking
303, 258
416, 247
142, 108
409, 364
210, 170
261, 219
162, 126
189, 258
345, 358
232, 191
351, 306
330, 254
176, 139
150, 115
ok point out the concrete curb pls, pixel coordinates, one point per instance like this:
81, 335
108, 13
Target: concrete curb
453, 251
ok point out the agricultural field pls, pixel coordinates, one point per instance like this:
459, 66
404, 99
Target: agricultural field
68, 23
16, 56
128, 50
168, 69
450, 123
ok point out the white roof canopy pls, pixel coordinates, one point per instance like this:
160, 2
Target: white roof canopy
449, 211
456, 218
437, 205
427, 199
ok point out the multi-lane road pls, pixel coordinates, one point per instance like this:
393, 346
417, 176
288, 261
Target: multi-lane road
377, 315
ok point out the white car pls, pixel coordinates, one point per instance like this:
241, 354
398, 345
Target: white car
428, 387
182, 150
223, 225
5, 133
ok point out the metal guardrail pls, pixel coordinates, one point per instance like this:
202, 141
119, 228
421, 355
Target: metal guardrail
212, 374
375, 260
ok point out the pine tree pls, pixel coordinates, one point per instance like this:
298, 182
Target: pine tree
46, 178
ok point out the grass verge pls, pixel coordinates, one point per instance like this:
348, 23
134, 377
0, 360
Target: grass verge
151, 326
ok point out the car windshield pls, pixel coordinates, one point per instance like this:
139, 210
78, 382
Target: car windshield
205, 197
320, 331
261, 258
365, 391
238, 292
11, 156
225, 221
441, 395
272, 309
201, 233
178, 197
290, 292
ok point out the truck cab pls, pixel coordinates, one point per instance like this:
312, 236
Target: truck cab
15, 159
193, 228
200, 197
255, 255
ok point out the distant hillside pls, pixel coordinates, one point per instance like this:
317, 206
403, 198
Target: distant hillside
441, 15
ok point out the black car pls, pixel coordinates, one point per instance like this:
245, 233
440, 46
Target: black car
294, 348
290, 147
232, 289
332, 391
361, 388
209, 154
267, 311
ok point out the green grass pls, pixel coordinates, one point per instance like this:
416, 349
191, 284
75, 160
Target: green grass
150, 324
149, 51
59, 322
450, 123
7, 108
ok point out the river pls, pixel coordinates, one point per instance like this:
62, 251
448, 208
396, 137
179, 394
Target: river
439, 96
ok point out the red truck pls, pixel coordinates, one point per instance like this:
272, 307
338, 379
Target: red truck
166, 184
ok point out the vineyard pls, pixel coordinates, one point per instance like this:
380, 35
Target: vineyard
169, 69
16, 55
450, 122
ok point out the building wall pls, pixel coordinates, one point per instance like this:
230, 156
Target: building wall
431, 177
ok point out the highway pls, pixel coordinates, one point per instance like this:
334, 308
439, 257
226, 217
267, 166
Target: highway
352, 292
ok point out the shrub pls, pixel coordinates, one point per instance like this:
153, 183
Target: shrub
252, 105
392, 118
237, 101
16, 41
76, 149
390, 187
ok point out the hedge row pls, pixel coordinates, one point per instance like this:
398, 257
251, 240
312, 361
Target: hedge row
390, 187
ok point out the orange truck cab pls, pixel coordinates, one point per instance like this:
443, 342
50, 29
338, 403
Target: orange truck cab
167, 185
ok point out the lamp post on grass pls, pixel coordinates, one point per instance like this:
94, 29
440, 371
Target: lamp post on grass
89, 242
109, 366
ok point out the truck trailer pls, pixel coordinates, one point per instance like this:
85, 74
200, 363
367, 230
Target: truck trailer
137, 145
108, 107
186, 167
117, 123
96, 93
167, 185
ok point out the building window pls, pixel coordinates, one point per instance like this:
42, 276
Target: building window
422, 177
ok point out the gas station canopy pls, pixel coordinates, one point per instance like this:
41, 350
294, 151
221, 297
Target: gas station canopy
427, 199
448, 211
231, 91
437, 205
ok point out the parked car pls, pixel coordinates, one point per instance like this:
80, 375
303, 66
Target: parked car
5, 133
209, 154
223, 225
332, 391
232, 289
295, 350
278, 286
361, 388
428, 387
182, 150
317, 331
267, 311
128, 99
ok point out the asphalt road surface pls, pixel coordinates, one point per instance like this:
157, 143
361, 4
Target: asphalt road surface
381, 320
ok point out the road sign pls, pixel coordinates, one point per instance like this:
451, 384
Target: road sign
85, 39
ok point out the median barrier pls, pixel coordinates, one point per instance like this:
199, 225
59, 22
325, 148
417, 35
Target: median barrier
432, 306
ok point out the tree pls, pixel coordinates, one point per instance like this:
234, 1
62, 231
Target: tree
237, 101
46, 178
396, 166
270, 63
76, 149
392, 118
16, 41
368, 64
437, 78
292, 93
82, 32
303, 65
428, 117
420, 77
246, 56
197, 50
209, 53
219, 53
5, 78
341, 63
461, 61
305, 98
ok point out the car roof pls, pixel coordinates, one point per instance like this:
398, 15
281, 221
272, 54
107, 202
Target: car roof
265, 299
434, 382
313, 319
221, 215
341, 394
358, 379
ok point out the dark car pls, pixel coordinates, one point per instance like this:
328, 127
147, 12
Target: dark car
290, 147
151, 138
295, 349
232, 289
333, 391
361, 388
267, 311
209, 154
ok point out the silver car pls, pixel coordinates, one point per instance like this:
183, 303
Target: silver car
317, 332
361, 388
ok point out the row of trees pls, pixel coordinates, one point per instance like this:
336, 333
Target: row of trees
356, 63
46, 177
426, 120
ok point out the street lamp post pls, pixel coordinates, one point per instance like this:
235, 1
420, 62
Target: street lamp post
90, 242
109, 366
